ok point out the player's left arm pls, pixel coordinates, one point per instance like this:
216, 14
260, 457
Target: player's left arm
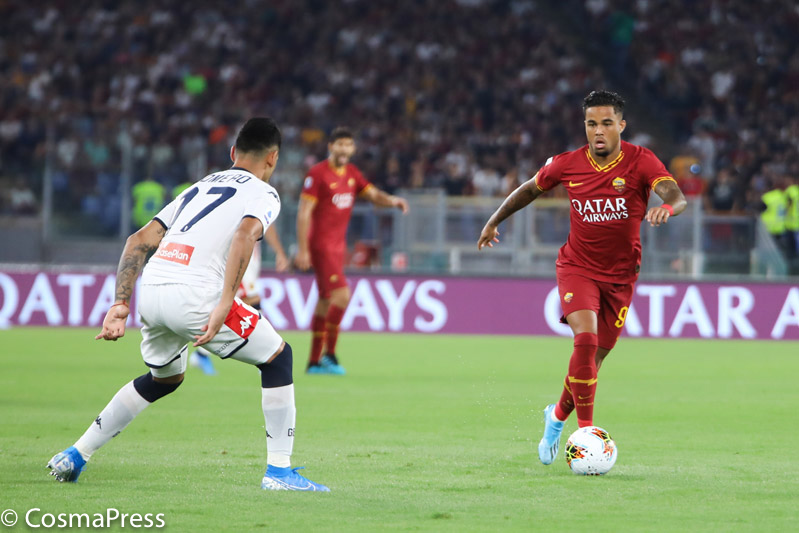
139, 246
674, 202
250, 230
383, 199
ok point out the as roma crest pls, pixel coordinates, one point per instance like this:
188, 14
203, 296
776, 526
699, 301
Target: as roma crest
619, 184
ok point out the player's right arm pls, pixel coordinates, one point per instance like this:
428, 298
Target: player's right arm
250, 230
273, 240
303, 259
518, 199
138, 248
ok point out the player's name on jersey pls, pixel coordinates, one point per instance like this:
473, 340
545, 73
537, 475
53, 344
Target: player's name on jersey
225, 178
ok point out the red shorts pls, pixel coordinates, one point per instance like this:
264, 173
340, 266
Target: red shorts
610, 302
328, 267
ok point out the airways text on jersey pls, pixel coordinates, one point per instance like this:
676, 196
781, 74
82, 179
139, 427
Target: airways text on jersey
601, 209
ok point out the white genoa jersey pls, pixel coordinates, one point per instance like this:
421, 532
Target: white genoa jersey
200, 224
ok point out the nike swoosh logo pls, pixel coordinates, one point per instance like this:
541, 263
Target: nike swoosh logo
582, 397
572, 184
333, 185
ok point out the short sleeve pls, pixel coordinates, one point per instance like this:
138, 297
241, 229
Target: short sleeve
361, 183
265, 206
166, 216
549, 175
652, 170
311, 186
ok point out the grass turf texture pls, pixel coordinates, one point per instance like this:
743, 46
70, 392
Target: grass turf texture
425, 433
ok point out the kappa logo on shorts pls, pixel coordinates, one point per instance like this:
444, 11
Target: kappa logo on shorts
246, 323
241, 320
177, 253
568, 297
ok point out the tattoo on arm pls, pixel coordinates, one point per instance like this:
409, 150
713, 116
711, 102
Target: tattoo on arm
132, 261
671, 194
521, 197
129, 267
239, 275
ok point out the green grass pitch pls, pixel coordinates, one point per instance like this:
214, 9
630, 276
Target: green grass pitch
425, 433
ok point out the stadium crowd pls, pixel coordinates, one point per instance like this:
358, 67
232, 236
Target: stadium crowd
467, 95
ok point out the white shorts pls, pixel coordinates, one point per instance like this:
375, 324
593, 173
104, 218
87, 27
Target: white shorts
173, 314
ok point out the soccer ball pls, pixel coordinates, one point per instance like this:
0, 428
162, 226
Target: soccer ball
590, 451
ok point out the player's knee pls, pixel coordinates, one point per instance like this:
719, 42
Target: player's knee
151, 390
278, 372
586, 339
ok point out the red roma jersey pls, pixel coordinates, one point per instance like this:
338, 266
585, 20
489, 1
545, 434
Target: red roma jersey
334, 194
608, 205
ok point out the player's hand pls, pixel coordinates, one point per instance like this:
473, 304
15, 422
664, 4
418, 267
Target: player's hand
114, 323
214, 324
303, 260
657, 216
488, 236
401, 204
282, 262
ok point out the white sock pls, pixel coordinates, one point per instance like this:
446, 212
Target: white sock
280, 415
555, 418
123, 407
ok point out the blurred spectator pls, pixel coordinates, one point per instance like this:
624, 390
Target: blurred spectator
722, 193
486, 180
685, 169
148, 198
21, 199
774, 215
792, 212
421, 82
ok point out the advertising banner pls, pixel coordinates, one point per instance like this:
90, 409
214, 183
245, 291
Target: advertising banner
422, 304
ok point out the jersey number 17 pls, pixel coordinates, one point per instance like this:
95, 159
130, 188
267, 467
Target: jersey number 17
225, 194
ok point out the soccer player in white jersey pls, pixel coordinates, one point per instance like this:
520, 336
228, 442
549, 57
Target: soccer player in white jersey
248, 291
201, 244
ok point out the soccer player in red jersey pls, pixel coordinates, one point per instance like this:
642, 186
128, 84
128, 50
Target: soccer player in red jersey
608, 182
326, 202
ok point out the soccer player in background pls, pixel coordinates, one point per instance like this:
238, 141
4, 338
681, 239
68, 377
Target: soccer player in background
247, 292
608, 182
326, 202
201, 244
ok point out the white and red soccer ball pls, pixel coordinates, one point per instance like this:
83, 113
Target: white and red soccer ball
590, 451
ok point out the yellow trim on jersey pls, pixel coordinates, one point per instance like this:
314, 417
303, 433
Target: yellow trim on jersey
363, 191
540, 188
588, 382
662, 178
340, 171
306, 196
607, 167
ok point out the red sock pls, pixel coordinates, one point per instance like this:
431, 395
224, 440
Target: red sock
333, 319
582, 377
566, 404
317, 339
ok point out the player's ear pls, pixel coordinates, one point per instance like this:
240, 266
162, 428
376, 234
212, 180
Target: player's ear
233, 153
622, 125
271, 158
